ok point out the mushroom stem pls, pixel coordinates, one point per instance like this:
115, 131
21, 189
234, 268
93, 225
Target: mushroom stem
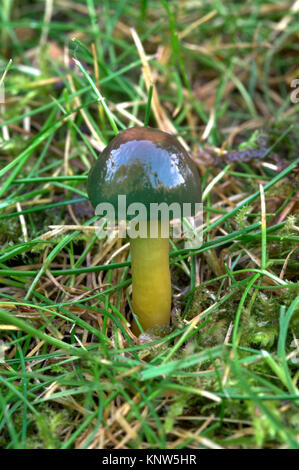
151, 282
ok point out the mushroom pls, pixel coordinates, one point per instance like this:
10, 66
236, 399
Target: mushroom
146, 166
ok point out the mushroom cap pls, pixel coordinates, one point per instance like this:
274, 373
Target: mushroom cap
147, 166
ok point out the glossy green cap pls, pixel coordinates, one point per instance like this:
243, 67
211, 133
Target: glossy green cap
147, 166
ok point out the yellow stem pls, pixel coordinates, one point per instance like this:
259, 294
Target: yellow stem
151, 282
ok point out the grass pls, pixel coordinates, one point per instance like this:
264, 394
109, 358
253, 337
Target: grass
218, 76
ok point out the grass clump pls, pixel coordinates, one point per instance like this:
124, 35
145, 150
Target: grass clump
225, 373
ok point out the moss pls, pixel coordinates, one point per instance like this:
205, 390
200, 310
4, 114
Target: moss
46, 429
10, 231
262, 327
175, 410
259, 325
43, 430
262, 425
213, 328
240, 217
